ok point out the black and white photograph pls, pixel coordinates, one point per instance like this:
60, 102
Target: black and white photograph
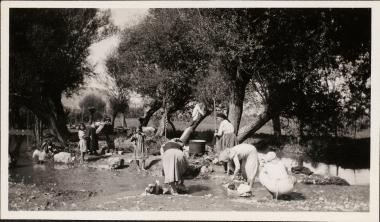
201, 110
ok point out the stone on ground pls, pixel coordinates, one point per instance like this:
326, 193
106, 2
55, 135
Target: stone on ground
244, 190
123, 143
301, 170
115, 162
63, 157
206, 169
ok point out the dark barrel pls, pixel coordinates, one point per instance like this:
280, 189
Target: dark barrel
197, 146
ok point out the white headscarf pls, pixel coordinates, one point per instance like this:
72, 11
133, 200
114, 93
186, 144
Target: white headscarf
270, 156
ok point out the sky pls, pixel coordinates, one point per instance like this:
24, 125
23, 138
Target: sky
99, 51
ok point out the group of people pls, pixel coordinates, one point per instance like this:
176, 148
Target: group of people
243, 158
88, 137
236, 158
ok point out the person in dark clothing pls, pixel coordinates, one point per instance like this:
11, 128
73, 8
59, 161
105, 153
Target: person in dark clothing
106, 128
88, 139
108, 131
93, 141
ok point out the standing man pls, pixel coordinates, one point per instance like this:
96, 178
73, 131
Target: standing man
107, 129
93, 138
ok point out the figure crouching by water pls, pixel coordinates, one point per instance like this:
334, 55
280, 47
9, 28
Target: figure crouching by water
174, 164
140, 150
40, 154
274, 176
82, 141
244, 158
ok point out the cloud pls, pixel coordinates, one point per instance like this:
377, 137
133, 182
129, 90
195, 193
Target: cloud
128, 17
99, 51
123, 18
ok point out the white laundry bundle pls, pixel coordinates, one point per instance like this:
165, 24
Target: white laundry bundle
39, 155
63, 157
274, 176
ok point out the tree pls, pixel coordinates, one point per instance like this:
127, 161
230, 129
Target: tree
117, 89
48, 51
158, 61
119, 104
93, 101
278, 50
232, 35
296, 43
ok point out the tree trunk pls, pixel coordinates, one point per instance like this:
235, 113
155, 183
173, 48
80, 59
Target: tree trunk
114, 115
38, 130
91, 120
149, 110
15, 142
235, 107
189, 130
59, 120
161, 127
58, 125
300, 129
253, 127
53, 114
49, 109
171, 124
124, 120
277, 129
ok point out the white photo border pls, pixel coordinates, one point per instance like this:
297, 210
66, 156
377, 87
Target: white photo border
372, 215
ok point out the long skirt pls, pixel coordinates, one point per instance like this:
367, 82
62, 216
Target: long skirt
140, 152
250, 167
82, 145
174, 165
279, 186
226, 141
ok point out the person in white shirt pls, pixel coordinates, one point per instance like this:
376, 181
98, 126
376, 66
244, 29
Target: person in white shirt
82, 144
274, 176
197, 113
243, 157
225, 135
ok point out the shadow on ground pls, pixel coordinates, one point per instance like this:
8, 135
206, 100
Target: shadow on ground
292, 196
152, 163
197, 188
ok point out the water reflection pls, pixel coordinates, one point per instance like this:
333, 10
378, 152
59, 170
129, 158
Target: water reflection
352, 176
37, 168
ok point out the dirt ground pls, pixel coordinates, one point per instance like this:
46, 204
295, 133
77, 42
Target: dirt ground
91, 186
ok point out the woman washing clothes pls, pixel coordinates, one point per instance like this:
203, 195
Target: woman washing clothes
274, 176
225, 135
244, 157
174, 164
